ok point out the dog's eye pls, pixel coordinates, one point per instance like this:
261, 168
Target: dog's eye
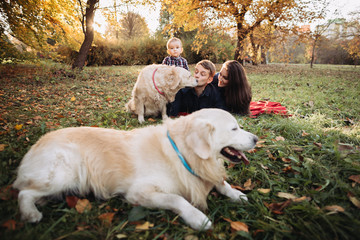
234, 129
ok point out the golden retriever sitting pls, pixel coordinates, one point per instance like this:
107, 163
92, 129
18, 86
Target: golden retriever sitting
170, 166
156, 86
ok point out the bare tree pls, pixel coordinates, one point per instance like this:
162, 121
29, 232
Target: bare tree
318, 33
133, 26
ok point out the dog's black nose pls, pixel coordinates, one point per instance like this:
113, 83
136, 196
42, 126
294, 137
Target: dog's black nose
255, 139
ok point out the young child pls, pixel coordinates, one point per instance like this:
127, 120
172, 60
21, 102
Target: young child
204, 95
174, 49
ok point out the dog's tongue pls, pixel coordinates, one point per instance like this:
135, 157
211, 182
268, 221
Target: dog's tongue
236, 155
244, 158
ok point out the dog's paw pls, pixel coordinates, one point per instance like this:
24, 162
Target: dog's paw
197, 220
238, 196
141, 119
31, 216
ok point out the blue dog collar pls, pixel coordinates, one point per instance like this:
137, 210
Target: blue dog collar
186, 165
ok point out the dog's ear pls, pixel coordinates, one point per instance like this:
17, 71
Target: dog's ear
174, 79
199, 138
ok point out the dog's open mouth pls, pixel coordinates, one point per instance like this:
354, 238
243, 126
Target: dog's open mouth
234, 155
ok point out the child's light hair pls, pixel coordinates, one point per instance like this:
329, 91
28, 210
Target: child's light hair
173, 39
208, 65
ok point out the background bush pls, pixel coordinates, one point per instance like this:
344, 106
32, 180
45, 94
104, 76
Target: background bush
148, 51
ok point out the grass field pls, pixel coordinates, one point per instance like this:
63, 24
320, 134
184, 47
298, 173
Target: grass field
303, 181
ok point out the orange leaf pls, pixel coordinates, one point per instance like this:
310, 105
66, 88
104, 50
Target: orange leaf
18, 126
334, 208
37, 118
107, 218
280, 138
144, 226
301, 199
7, 193
73, 99
264, 190
247, 184
277, 207
304, 133
2, 147
355, 178
83, 205
237, 226
287, 160
9, 224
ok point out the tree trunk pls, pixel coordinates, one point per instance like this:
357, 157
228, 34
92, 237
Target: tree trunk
239, 51
89, 34
264, 59
313, 52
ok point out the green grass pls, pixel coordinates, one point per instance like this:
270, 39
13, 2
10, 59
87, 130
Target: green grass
318, 152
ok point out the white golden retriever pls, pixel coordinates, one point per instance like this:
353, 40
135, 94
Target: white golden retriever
171, 166
156, 86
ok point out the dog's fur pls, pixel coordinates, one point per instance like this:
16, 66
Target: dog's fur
146, 100
140, 164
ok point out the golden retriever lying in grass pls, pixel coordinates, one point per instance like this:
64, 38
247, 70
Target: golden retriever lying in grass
156, 86
171, 166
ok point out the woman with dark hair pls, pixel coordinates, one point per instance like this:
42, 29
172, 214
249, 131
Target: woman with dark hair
234, 87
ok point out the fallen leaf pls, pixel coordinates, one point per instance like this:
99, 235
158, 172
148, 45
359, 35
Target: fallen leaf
287, 160
286, 195
319, 145
355, 178
71, 201
264, 190
191, 237
18, 126
334, 208
247, 184
2, 147
151, 120
270, 155
121, 236
252, 151
301, 199
277, 207
344, 147
354, 200
237, 225
287, 169
73, 99
83, 205
297, 149
9, 224
144, 226
304, 134
107, 218
280, 138
258, 231
7, 193
37, 118
264, 167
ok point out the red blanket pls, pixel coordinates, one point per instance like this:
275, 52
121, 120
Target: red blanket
260, 107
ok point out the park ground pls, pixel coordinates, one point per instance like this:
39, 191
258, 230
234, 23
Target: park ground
303, 181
